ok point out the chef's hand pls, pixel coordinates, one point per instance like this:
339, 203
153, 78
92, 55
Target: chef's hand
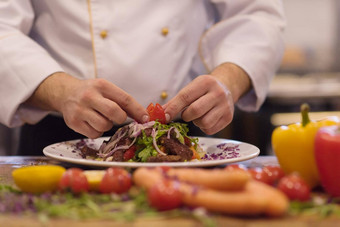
209, 100
89, 107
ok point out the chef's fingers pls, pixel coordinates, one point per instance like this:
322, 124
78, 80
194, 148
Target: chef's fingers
83, 128
125, 101
208, 120
218, 117
186, 96
98, 121
199, 107
109, 109
212, 124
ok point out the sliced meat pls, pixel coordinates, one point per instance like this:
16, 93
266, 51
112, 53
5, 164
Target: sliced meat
165, 158
87, 151
124, 141
174, 147
118, 156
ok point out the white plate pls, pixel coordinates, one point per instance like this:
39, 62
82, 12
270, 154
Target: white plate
236, 151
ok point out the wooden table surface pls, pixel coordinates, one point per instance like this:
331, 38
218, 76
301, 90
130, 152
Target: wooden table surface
8, 163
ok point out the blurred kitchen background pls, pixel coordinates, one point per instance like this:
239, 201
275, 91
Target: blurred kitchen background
310, 72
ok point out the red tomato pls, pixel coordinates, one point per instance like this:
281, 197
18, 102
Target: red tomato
259, 175
75, 180
275, 173
236, 166
327, 157
164, 196
130, 153
294, 187
156, 112
115, 180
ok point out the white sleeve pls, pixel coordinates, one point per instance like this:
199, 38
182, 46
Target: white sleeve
249, 34
23, 64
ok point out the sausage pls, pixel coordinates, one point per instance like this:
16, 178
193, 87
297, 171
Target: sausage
254, 199
257, 198
218, 179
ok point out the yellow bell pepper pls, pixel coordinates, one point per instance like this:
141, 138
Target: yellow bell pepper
294, 146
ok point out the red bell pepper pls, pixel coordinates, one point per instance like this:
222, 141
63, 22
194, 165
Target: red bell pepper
327, 156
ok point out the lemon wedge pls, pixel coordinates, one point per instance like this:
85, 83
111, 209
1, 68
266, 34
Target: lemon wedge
38, 179
94, 177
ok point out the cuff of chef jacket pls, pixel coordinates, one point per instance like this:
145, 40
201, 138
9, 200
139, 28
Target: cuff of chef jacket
23, 66
258, 54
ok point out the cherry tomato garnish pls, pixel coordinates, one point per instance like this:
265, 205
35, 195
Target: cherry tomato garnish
115, 180
294, 187
165, 195
156, 112
74, 180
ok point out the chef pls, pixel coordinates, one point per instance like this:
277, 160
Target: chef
78, 68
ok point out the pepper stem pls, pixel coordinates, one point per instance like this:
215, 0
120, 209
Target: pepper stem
304, 112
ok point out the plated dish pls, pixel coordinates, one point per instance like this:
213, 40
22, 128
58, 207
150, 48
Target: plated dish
218, 151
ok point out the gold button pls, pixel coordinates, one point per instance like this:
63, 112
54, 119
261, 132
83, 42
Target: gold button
164, 95
103, 34
165, 31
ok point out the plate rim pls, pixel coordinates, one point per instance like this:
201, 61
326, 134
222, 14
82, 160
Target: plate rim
207, 163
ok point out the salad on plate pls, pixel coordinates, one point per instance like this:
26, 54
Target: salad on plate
154, 141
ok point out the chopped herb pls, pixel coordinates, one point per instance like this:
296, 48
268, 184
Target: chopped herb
319, 206
144, 154
126, 207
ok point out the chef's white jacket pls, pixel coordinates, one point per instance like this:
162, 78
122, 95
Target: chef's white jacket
149, 48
